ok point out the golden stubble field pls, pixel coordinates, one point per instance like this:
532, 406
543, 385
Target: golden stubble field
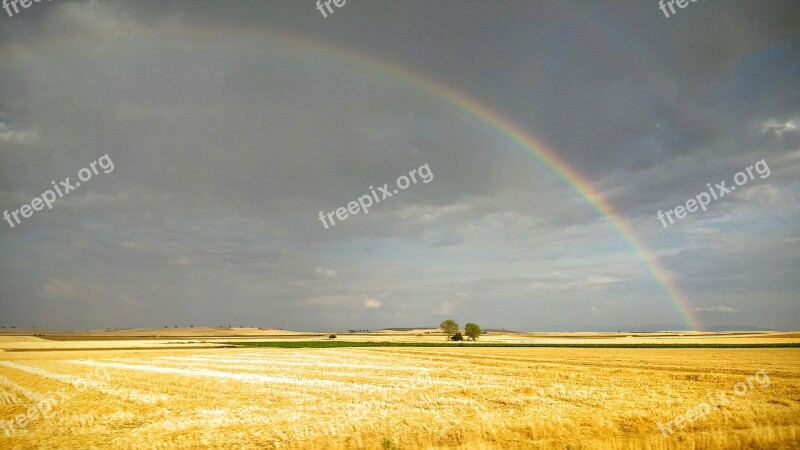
400, 398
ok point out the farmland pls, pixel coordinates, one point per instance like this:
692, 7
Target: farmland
393, 397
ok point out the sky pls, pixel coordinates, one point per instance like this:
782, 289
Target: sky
232, 125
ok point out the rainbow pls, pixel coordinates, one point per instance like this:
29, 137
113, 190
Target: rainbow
472, 109
526, 141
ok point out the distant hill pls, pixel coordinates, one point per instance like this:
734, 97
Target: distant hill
485, 330
738, 328
655, 327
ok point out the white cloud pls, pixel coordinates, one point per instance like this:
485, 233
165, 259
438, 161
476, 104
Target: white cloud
602, 279
444, 309
57, 290
9, 136
327, 274
371, 303
778, 128
763, 194
725, 309
75, 292
96, 199
449, 306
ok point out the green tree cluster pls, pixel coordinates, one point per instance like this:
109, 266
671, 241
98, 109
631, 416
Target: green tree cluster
450, 328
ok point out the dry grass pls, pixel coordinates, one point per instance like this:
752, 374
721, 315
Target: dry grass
401, 398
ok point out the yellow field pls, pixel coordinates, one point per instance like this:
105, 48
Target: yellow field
398, 398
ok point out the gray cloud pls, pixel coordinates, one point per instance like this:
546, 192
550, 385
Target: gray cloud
228, 139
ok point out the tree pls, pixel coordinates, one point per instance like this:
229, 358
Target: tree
472, 330
449, 327
457, 337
